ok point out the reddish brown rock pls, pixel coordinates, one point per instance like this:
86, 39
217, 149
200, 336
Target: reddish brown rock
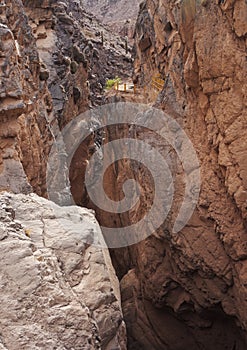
179, 291
24, 104
193, 284
51, 71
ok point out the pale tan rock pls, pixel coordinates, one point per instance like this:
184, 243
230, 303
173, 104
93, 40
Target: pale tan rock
56, 291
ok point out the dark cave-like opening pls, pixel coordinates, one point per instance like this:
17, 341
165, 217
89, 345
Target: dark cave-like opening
161, 329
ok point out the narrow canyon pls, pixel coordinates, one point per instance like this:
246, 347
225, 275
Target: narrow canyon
167, 77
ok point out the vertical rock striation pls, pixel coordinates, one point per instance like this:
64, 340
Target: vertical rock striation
25, 103
193, 284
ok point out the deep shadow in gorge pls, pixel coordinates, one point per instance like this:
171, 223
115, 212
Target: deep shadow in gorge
211, 329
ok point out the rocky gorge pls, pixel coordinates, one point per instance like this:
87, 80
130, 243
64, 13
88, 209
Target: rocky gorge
173, 290
119, 15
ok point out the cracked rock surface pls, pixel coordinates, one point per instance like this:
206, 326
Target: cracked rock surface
56, 291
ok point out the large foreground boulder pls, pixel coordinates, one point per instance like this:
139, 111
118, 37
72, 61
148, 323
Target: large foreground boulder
56, 291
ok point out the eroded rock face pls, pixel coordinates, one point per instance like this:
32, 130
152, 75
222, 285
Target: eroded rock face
118, 15
56, 291
198, 276
25, 104
191, 284
55, 60
58, 34
79, 53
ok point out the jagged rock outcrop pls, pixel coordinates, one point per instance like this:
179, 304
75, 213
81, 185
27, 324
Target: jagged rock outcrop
25, 104
79, 53
118, 15
50, 68
56, 290
55, 60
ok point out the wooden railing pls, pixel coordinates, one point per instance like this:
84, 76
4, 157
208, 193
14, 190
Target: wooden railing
125, 87
157, 83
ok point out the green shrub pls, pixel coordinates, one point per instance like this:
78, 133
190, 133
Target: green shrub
111, 82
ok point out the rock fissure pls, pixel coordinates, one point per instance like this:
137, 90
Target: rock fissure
178, 291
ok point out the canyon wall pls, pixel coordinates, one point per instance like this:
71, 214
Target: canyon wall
188, 290
55, 60
25, 104
118, 15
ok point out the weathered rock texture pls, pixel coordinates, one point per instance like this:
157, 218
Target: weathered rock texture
25, 103
77, 53
179, 291
55, 60
193, 284
188, 290
120, 15
56, 291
